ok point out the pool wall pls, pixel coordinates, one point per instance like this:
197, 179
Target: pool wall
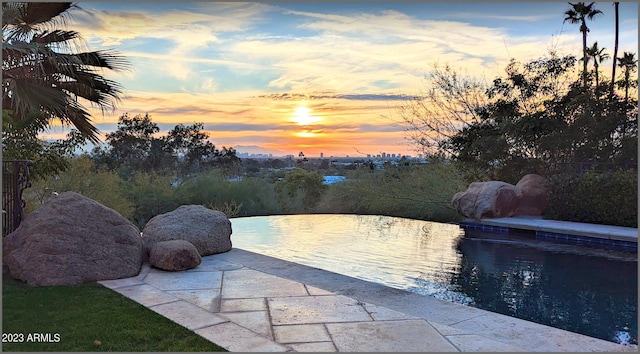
616, 237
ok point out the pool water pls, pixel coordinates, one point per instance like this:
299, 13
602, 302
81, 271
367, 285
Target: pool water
576, 288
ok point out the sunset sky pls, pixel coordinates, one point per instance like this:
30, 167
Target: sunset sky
317, 77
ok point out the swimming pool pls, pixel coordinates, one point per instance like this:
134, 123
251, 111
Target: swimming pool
580, 289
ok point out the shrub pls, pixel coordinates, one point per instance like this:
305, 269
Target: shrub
102, 186
609, 198
152, 194
299, 191
419, 192
247, 197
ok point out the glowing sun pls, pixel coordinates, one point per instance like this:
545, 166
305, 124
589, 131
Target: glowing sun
302, 116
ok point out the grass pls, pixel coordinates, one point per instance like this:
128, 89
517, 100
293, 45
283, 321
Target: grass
88, 318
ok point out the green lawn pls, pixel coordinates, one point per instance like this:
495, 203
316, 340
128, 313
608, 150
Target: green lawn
87, 317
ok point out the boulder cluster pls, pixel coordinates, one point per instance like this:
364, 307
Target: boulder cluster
72, 239
496, 199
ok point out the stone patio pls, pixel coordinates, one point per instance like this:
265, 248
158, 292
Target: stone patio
245, 302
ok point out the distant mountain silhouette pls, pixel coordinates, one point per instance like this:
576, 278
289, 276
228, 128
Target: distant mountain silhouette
255, 149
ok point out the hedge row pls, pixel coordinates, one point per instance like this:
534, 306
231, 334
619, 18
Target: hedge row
609, 198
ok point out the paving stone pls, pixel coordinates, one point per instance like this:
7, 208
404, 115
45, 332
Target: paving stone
184, 280
324, 347
119, 283
301, 333
388, 336
136, 280
317, 291
476, 343
211, 263
380, 313
257, 321
300, 320
316, 309
208, 299
248, 283
146, 295
447, 330
235, 338
533, 336
237, 305
187, 314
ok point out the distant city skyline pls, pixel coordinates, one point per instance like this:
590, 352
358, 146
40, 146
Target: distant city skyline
317, 77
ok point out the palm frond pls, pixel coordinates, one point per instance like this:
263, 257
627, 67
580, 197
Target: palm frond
28, 93
81, 119
55, 36
25, 17
108, 59
42, 71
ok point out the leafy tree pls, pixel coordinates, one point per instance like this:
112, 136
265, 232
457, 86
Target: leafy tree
134, 147
228, 162
578, 14
43, 75
49, 157
137, 146
190, 147
449, 104
194, 152
535, 119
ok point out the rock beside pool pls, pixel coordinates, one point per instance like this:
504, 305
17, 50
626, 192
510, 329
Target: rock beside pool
174, 255
208, 230
72, 239
492, 199
535, 195
497, 199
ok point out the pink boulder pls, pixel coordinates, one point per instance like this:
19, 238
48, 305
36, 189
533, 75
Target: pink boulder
496, 199
72, 239
174, 255
492, 199
535, 195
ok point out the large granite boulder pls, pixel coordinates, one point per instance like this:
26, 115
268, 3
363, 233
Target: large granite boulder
208, 230
496, 199
535, 195
72, 239
492, 199
174, 255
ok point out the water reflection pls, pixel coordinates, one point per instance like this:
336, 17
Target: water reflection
393, 251
592, 295
579, 289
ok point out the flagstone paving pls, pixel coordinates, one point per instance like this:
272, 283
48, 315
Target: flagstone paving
235, 300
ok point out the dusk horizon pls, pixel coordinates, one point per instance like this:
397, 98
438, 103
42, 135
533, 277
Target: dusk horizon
317, 78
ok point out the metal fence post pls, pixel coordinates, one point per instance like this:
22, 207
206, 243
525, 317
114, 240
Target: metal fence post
15, 179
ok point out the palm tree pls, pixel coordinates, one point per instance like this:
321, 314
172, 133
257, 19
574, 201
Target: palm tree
629, 64
44, 75
615, 49
579, 13
598, 56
